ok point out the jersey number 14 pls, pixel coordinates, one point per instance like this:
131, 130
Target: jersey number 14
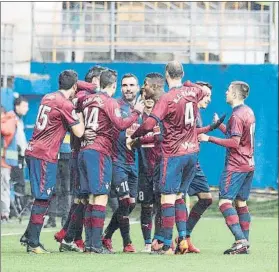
91, 120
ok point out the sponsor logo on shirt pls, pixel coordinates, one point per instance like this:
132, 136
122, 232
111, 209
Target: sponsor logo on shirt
187, 145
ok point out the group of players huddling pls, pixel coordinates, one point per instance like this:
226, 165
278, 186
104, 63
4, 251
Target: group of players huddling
164, 130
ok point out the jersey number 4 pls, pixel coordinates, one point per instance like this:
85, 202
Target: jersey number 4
42, 117
189, 114
91, 120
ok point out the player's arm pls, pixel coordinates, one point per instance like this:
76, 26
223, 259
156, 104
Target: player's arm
86, 86
152, 139
216, 119
158, 113
78, 129
235, 134
113, 111
216, 124
232, 142
73, 119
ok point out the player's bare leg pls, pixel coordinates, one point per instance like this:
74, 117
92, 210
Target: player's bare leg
204, 201
241, 245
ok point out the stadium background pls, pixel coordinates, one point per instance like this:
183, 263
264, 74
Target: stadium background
217, 42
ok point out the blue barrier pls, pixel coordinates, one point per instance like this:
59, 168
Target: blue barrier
263, 99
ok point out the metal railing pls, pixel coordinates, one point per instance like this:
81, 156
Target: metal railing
151, 31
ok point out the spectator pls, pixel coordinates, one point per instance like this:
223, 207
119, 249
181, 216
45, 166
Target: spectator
21, 108
61, 200
9, 158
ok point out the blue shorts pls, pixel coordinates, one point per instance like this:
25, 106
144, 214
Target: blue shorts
42, 175
95, 170
177, 173
235, 185
148, 186
124, 180
199, 183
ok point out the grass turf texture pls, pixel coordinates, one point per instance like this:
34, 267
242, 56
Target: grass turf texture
211, 236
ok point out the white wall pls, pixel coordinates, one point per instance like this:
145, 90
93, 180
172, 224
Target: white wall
19, 14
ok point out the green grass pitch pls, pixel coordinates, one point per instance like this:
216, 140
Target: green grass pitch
211, 236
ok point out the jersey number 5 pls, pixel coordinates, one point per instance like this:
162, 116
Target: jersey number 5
91, 121
42, 117
189, 114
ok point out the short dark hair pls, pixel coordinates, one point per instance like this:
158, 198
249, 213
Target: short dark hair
202, 83
175, 69
20, 99
242, 88
94, 71
129, 75
107, 78
67, 79
156, 78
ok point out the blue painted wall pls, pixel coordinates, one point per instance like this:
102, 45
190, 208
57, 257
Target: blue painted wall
263, 99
